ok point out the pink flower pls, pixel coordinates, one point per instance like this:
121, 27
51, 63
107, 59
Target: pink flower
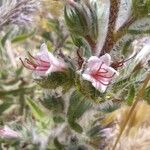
99, 72
6, 132
44, 62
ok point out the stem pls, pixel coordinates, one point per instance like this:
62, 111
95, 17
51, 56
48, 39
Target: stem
113, 15
123, 29
137, 98
91, 43
130, 20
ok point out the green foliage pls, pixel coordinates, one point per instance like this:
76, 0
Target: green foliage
109, 107
81, 43
94, 133
131, 95
138, 32
78, 105
57, 35
58, 145
57, 79
147, 94
7, 35
44, 113
4, 106
141, 8
22, 37
82, 19
86, 88
53, 103
35, 109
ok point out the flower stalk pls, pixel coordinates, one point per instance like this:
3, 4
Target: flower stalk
113, 15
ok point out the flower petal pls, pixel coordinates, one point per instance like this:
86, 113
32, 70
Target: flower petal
87, 77
43, 53
99, 86
106, 59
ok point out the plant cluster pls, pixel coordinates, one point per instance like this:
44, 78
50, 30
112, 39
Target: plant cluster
92, 62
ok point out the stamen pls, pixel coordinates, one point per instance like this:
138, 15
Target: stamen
100, 66
38, 59
105, 76
41, 69
31, 63
105, 71
103, 82
26, 66
129, 58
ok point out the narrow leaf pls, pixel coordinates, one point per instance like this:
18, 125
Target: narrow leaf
35, 109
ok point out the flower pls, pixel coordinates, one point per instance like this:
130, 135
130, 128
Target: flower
8, 133
99, 72
44, 62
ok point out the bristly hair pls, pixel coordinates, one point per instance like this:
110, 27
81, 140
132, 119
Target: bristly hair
18, 12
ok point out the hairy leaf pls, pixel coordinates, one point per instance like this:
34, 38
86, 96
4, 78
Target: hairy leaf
35, 109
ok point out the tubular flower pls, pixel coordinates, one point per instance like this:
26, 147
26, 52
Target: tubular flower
99, 72
44, 62
6, 132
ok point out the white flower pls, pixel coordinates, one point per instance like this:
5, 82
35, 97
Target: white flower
6, 132
44, 62
99, 72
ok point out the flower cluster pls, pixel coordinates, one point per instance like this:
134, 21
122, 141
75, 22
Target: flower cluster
98, 70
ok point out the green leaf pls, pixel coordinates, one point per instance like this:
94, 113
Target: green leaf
137, 32
35, 109
87, 89
94, 132
58, 119
22, 37
5, 37
120, 84
4, 107
76, 127
58, 145
147, 94
131, 95
108, 107
80, 42
141, 8
53, 103
78, 105
75, 21
19, 71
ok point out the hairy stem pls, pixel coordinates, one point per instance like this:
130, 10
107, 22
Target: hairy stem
137, 98
113, 14
123, 29
91, 43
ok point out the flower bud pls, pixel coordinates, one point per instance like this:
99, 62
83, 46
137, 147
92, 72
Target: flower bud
82, 18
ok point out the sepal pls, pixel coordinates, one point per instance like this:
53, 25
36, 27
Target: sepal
86, 88
56, 79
